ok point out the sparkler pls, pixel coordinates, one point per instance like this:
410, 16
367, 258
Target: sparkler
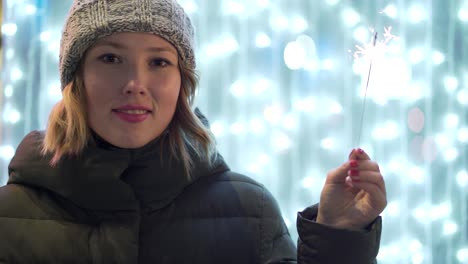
371, 51
375, 48
365, 92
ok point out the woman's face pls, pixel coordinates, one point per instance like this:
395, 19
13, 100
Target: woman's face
132, 83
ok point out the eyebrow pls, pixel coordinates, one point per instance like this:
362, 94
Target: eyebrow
120, 46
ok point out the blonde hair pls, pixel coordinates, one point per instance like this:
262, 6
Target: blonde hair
187, 137
67, 131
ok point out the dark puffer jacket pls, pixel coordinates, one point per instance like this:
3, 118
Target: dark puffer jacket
112, 205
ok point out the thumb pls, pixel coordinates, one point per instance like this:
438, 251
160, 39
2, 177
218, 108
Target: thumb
338, 175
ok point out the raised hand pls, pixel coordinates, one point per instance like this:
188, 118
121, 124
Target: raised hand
354, 194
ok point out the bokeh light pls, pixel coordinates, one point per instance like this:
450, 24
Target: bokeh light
285, 96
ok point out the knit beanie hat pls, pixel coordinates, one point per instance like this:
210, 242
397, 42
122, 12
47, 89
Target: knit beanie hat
90, 20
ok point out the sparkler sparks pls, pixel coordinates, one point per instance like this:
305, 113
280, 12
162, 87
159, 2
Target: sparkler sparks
375, 48
371, 51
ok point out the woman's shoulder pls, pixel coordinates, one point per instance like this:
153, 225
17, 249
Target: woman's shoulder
29, 148
232, 176
27, 202
16, 202
231, 179
229, 193
33, 138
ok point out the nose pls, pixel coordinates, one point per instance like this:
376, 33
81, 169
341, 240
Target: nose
136, 82
134, 87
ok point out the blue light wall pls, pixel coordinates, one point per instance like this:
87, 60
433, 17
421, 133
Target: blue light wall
285, 96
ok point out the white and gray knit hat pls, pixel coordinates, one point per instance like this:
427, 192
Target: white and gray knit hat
90, 20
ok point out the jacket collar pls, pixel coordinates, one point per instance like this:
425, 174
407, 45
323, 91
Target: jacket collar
106, 178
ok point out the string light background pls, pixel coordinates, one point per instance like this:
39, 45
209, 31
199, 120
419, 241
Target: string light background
284, 95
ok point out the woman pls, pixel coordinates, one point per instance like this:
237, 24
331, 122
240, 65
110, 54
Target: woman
126, 172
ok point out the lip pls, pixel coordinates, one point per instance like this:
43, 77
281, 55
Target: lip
134, 107
132, 118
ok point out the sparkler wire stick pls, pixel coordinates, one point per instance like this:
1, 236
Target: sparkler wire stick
374, 42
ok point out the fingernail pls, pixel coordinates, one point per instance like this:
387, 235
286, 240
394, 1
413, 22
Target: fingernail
353, 163
360, 151
353, 172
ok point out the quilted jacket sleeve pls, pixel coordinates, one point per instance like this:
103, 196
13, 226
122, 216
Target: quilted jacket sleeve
276, 245
318, 244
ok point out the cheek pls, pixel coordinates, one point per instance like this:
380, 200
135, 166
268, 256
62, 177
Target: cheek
93, 95
167, 92
98, 88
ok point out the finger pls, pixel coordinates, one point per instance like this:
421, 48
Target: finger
353, 154
350, 187
363, 165
338, 175
378, 198
371, 177
360, 154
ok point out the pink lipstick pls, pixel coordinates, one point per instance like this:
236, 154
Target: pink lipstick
132, 113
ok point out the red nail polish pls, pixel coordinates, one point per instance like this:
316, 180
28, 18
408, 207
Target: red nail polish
361, 151
353, 172
353, 163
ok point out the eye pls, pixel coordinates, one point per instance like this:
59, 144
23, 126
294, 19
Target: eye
160, 62
110, 58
